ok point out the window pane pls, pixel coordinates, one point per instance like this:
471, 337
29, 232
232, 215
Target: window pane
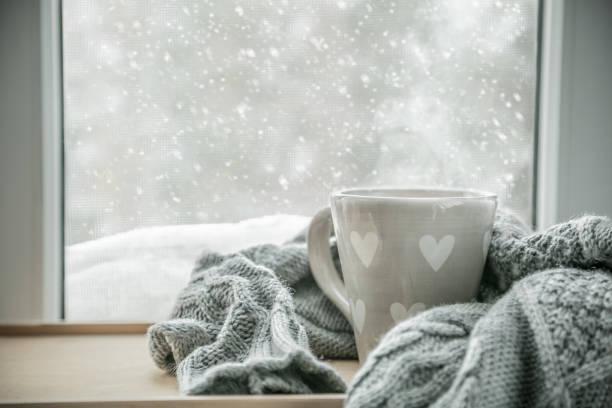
202, 112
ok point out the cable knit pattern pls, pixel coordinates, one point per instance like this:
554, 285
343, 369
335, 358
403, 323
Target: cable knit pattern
236, 329
546, 342
396, 374
584, 243
540, 334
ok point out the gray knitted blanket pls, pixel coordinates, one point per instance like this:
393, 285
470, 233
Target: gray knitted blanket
252, 323
539, 335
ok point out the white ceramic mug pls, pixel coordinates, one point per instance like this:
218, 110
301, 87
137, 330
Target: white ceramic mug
401, 251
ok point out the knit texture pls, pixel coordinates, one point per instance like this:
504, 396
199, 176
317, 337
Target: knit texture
544, 338
237, 329
540, 333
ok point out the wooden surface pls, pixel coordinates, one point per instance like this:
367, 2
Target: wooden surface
111, 370
72, 328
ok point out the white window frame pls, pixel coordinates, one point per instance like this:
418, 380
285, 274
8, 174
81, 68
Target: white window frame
31, 278
49, 279
52, 148
546, 187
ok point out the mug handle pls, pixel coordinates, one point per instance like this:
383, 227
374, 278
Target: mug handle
321, 263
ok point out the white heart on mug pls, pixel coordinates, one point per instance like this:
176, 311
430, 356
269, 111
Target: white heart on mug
399, 312
365, 247
358, 311
434, 252
486, 240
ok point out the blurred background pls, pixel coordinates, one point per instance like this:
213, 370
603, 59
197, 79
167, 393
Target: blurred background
180, 112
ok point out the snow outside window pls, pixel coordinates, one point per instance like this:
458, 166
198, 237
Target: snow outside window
216, 124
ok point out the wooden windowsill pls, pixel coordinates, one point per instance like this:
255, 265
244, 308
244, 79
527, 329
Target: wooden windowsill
80, 365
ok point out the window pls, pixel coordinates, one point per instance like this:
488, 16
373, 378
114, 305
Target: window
217, 124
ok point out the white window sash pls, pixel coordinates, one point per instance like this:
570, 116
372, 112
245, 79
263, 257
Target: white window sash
549, 115
52, 146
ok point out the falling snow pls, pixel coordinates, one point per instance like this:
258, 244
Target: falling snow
284, 183
222, 110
